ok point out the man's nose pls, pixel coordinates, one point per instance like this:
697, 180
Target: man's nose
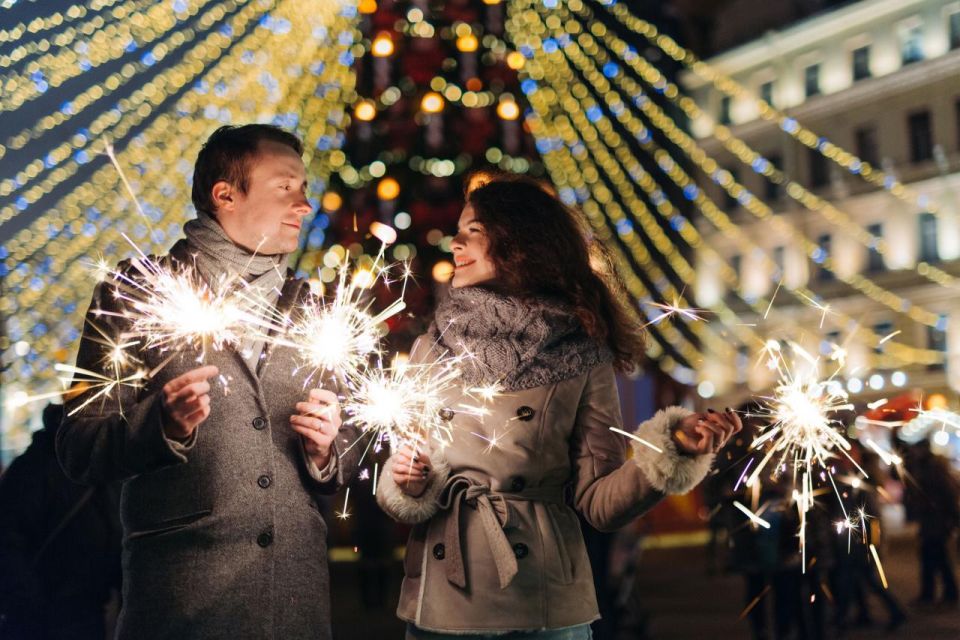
303, 207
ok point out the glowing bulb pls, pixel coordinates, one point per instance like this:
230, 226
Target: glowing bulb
515, 60
367, 6
467, 43
365, 110
382, 45
331, 201
388, 189
508, 110
443, 271
432, 102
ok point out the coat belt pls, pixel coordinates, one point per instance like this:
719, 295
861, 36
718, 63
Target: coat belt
496, 514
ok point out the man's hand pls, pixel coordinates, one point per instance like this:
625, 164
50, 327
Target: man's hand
708, 432
186, 402
411, 470
318, 422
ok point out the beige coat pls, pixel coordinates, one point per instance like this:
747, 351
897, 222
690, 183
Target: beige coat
496, 546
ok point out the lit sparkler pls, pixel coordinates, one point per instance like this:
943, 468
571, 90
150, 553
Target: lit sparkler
175, 309
691, 314
339, 335
803, 434
405, 403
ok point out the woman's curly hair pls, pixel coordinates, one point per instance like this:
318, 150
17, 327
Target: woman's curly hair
539, 246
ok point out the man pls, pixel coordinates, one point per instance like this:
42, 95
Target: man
59, 547
222, 462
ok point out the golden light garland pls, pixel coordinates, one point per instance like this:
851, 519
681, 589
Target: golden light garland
902, 352
162, 146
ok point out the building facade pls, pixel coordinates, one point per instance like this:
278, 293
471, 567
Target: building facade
880, 79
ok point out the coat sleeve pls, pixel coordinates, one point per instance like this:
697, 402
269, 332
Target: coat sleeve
609, 489
115, 436
397, 504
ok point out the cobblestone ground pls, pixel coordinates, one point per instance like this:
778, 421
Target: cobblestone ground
678, 600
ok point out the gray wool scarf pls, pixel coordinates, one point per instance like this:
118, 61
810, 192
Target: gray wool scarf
219, 260
520, 343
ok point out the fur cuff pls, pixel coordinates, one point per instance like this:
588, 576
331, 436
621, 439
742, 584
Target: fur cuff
407, 509
670, 472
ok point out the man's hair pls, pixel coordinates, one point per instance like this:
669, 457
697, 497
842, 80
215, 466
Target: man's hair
226, 156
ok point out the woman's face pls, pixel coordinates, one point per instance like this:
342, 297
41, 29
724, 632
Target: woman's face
471, 252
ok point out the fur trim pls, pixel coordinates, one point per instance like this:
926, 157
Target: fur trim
407, 509
670, 472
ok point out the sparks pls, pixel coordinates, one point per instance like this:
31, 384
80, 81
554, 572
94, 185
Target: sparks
405, 403
690, 314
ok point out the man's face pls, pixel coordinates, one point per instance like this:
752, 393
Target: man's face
267, 218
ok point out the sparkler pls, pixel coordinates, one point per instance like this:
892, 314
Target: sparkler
405, 403
803, 433
690, 314
174, 309
342, 334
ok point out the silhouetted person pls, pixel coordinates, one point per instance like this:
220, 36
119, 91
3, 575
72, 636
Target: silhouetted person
932, 499
59, 546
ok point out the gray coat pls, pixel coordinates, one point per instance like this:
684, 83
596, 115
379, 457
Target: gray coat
222, 538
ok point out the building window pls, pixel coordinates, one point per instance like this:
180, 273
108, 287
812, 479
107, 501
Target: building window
772, 190
955, 30
811, 80
779, 254
928, 238
861, 63
766, 92
937, 340
958, 123
882, 329
819, 169
874, 257
822, 254
921, 136
865, 140
911, 43
725, 110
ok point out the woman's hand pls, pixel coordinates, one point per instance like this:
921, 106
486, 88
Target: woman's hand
708, 432
411, 470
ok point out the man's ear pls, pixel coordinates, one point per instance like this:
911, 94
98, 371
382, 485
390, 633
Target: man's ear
223, 196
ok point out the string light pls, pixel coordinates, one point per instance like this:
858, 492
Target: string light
928, 356
283, 46
718, 216
739, 148
790, 126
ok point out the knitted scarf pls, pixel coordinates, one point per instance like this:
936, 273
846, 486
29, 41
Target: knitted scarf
518, 343
220, 261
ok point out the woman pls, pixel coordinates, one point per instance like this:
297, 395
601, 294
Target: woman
495, 549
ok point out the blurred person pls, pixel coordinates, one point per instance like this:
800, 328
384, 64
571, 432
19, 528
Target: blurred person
222, 536
59, 547
752, 551
855, 576
496, 549
932, 499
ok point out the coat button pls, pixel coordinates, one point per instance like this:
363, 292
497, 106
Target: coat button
520, 550
259, 423
446, 414
525, 413
264, 481
265, 539
439, 551
517, 484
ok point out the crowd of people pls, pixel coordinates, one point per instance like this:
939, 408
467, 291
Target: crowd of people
840, 585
